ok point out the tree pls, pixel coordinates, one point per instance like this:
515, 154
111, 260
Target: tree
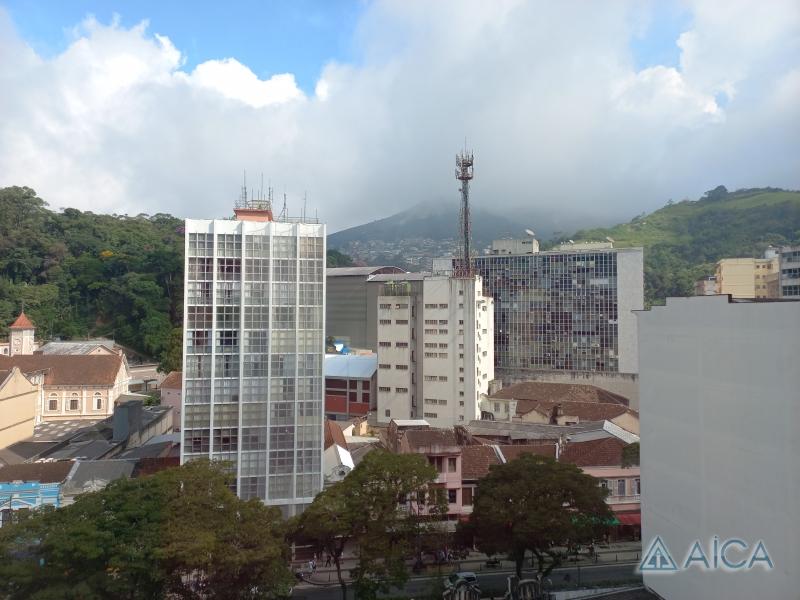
378, 508
630, 455
172, 356
534, 503
180, 533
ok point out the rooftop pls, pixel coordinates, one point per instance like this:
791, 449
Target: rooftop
350, 366
47, 472
510, 452
476, 460
91, 475
428, 439
360, 271
76, 347
606, 452
172, 381
539, 391
22, 322
68, 369
334, 435
585, 411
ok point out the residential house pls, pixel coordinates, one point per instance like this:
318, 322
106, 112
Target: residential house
31, 485
171, 389
350, 385
73, 386
573, 413
17, 406
336, 457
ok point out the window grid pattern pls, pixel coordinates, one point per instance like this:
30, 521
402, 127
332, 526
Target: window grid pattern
254, 342
554, 310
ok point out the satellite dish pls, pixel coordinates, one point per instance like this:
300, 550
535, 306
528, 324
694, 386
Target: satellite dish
530, 233
609, 239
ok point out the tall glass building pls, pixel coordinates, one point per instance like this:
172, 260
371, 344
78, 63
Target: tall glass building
254, 306
568, 309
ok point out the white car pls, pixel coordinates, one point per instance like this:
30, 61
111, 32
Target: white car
461, 578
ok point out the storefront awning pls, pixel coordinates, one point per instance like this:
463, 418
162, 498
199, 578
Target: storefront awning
630, 518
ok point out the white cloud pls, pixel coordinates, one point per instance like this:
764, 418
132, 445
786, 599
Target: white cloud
546, 93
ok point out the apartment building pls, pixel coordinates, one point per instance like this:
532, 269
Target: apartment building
435, 354
789, 272
746, 277
253, 352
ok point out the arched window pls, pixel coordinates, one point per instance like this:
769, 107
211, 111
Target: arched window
74, 401
52, 401
98, 401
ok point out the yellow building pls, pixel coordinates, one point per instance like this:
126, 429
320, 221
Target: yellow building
745, 277
18, 397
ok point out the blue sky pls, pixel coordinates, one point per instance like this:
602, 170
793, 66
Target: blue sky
297, 36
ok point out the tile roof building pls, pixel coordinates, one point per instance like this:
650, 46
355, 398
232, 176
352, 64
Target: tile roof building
21, 337
29, 486
73, 386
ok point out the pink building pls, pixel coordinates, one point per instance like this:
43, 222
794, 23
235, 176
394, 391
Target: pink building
171, 389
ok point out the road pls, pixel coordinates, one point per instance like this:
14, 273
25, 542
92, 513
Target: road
487, 581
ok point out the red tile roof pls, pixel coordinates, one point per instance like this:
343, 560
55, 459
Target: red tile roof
510, 452
427, 438
585, 411
334, 435
172, 381
559, 392
605, 452
22, 322
67, 369
52, 472
476, 460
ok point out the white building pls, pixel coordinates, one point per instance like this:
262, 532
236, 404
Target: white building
720, 442
253, 352
435, 347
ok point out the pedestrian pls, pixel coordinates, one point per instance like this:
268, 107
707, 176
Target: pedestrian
328, 560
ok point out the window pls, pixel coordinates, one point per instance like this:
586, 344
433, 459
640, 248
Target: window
442, 321
401, 367
443, 345
382, 388
385, 321
430, 306
451, 496
401, 321
466, 496
461, 402
385, 344
98, 401
74, 401
384, 366
401, 344
451, 467
401, 390
637, 486
429, 415
430, 332
401, 306
442, 377
52, 401
442, 354
388, 413
620, 487
385, 306
443, 306
443, 332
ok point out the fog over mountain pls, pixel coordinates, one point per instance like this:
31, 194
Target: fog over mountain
565, 115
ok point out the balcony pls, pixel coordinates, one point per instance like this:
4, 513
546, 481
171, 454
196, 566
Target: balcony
631, 499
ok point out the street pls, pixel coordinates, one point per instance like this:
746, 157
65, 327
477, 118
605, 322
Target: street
488, 581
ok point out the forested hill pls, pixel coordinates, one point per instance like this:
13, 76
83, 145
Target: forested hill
683, 240
82, 274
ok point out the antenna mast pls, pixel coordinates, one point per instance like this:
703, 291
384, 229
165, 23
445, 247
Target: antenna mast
464, 173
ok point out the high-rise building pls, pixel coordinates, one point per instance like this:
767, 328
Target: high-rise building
568, 309
253, 352
434, 337
789, 272
720, 441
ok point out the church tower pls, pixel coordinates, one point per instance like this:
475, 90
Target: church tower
21, 336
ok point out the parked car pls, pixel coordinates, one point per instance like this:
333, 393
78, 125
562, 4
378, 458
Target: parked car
455, 580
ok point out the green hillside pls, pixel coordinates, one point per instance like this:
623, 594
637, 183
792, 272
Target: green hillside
683, 240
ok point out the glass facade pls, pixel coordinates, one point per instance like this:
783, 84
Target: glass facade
254, 347
554, 310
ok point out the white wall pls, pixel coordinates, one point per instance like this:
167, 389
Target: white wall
630, 297
720, 434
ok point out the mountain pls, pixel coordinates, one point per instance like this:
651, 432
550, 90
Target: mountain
682, 241
414, 236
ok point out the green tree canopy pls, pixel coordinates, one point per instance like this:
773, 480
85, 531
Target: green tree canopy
180, 533
534, 503
378, 507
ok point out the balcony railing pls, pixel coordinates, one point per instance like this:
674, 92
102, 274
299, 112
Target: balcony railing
623, 499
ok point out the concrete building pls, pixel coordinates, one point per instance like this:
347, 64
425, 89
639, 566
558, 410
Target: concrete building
568, 310
18, 397
707, 286
73, 386
350, 385
789, 272
746, 277
349, 316
253, 352
721, 442
435, 354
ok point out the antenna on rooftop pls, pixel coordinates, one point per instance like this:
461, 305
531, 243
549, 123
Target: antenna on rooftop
464, 173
